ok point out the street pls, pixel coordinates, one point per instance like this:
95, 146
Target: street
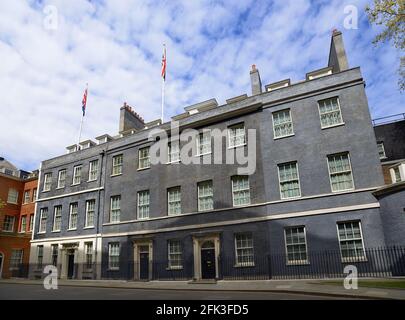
37, 292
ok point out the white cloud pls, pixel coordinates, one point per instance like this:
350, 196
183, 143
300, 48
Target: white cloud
116, 47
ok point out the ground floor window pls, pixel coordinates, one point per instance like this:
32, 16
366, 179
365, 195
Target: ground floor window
8, 224
40, 256
244, 249
54, 254
296, 245
175, 254
88, 249
16, 258
351, 240
114, 256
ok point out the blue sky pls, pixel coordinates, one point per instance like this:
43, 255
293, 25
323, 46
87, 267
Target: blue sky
116, 47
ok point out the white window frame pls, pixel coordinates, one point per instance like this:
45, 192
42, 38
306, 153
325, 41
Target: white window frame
169, 202
47, 181
40, 262
205, 134
118, 197
199, 197
298, 179
296, 262
340, 112
43, 220
233, 192
86, 223
57, 216
330, 174
170, 153
34, 194
143, 161
384, 156
145, 205
175, 253
61, 182
351, 259
230, 129
117, 168
54, 254
23, 226
77, 175
275, 137
10, 223
93, 170
12, 196
27, 196
71, 206
237, 262
88, 255
400, 168
110, 245
31, 224
14, 264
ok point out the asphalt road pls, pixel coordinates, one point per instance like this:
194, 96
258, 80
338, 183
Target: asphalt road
37, 292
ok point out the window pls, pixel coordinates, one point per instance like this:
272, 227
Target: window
34, 195
31, 227
90, 208
174, 201
42, 219
8, 224
144, 159
240, 190
296, 245
16, 258
329, 112
88, 250
12, 196
237, 136
115, 210
77, 174
351, 240
114, 256
40, 256
282, 124
57, 218
244, 250
175, 254
117, 164
340, 172
93, 170
47, 181
54, 254
73, 216
26, 196
173, 149
289, 180
143, 204
23, 224
61, 178
205, 196
381, 150
204, 143
396, 174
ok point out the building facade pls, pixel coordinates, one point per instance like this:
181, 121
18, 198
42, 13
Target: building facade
106, 210
17, 208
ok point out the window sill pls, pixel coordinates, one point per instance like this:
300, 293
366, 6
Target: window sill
173, 162
174, 268
46, 190
298, 263
59, 188
114, 222
72, 229
55, 231
113, 269
173, 214
41, 232
21, 232
287, 136
333, 126
116, 175
353, 260
290, 198
238, 146
203, 154
241, 205
92, 180
12, 202
343, 191
142, 169
244, 265
142, 219
88, 227
75, 184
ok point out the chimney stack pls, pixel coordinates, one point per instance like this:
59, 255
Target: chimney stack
129, 119
337, 54
255, 81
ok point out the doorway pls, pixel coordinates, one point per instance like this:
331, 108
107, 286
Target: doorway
144, 262
208, 268
1, 263
70, 263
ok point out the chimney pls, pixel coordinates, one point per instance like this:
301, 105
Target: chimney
255, 81
337, 54
129, 119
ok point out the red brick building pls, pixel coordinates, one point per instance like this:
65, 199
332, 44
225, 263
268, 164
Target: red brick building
17, 208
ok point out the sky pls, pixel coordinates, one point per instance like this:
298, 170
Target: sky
49, 50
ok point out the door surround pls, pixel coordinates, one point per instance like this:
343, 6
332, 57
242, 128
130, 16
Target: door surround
198, 241
139, 246
64, 251
1, 263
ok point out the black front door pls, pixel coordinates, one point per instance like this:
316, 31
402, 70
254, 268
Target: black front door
208, 263
144, 265
71, 265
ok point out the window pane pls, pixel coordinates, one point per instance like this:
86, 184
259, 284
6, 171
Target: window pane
174, 201
240, 190
143, 204
205, 196
330, 113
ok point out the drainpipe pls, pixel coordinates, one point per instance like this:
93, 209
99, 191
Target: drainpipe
102, 153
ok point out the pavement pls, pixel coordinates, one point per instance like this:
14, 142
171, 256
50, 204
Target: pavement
317, 288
